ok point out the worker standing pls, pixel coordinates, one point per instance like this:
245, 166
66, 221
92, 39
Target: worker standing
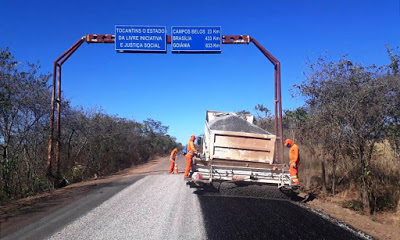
294, 158
172, 159
191, 151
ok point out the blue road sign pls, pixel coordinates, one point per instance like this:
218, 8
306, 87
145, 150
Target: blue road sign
196, 39
140, 38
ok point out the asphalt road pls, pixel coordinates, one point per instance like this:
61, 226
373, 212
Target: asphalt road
161, 206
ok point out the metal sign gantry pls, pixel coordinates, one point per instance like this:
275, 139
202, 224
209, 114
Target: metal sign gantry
110, 38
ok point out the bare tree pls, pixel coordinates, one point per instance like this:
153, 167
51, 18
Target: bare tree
351, 106
24, 98
93, 143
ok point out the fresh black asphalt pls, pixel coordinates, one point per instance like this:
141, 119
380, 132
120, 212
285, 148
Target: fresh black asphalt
261, 212
256, 218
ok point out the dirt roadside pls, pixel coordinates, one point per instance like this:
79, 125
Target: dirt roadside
380, 226
22, 212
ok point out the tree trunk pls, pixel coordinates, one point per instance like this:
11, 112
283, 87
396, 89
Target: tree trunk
293, 135
5, 169
333, 174
69, 147
323, 178
371, 197
308, 176
364, 188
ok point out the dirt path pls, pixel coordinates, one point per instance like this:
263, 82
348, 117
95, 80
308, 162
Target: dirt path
380, 226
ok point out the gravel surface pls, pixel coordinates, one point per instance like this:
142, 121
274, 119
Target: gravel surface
50, 215
155, 207
236, 124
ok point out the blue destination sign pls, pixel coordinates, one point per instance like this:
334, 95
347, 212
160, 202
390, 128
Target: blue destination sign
196, 39
140, 38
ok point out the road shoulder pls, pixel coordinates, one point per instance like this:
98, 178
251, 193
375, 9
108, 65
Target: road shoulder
375, 226
24, 212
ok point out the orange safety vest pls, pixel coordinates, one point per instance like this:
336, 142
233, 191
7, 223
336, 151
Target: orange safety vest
173, 154
190, 148
294, 155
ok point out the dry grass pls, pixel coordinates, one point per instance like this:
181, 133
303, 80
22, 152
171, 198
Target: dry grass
384, 180
384, 160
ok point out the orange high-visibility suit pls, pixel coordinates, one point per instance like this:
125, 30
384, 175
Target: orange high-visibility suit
172, 160
294, 157
190, 154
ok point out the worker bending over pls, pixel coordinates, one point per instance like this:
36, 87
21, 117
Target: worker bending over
294, 158
172, 158
191, 151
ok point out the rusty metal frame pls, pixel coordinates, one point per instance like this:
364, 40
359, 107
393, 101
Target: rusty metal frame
56, 100
278, 98
110, 38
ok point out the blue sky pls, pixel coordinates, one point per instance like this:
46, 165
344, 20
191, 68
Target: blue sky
178, 89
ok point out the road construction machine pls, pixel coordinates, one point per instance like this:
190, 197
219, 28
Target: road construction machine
236, 150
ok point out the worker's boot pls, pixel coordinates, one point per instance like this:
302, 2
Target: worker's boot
295, 185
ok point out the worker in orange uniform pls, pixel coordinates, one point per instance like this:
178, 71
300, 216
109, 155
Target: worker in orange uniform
172, 158
294, 158
191, 151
